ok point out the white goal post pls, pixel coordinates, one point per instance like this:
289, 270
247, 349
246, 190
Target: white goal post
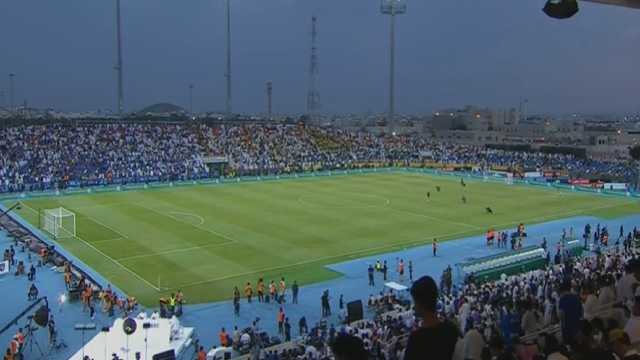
59, 222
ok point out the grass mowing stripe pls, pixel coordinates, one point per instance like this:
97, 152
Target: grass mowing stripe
277, 236
107, 257
226, 237
168, 252
321, 259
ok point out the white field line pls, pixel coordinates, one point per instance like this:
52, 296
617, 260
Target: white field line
376, 248
108, 258
413, 243
386, 205
29, 208
434, 218
226, 237
105, 225
174, 251
321, 258
109, 240
119, 264
200, 218
562, 213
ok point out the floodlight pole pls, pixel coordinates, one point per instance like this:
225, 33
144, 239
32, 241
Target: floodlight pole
269, 95
191, 100
392, 64
227, 73
392, 8
11, 93
118, 66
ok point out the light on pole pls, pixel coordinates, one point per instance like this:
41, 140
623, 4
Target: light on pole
392, 8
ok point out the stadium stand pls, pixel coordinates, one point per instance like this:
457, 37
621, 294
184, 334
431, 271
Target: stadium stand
42, 157
578, 306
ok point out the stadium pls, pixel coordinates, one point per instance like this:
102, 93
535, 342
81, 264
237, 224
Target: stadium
493, 232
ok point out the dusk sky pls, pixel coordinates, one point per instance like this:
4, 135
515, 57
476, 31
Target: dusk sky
449, 53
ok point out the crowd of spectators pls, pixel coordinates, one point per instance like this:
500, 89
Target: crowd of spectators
46, 157
580, 308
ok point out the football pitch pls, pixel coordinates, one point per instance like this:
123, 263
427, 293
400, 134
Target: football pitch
207, 239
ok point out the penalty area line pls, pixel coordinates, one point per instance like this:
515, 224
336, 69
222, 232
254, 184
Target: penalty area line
324, 258
119, 264
174, 251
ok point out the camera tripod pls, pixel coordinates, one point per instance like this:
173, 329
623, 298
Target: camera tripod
31, 339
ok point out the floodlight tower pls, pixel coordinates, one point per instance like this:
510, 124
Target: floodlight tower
313, 95
11, 93
392, 8
269, 94
118, 66
227, 73
191, 100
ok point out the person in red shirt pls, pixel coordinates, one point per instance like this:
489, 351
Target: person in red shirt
281, 321
224, 341
202, 355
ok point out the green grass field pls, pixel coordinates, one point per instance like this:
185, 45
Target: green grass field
206, 239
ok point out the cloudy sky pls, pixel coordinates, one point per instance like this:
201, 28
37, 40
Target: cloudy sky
449, 53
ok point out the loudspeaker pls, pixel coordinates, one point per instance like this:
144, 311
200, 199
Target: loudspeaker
41, 316
129, 326
167, 355
561, 9
354, 311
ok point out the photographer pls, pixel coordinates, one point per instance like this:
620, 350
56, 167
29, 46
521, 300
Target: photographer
33, 292
51, 326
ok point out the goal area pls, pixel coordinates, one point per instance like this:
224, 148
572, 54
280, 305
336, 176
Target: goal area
59, 222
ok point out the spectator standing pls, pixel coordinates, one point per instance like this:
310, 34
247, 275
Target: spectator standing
570, 310
434, 337
632, 328
370, 274
280, 318
410, 270
248, 292
294, 292
287, 330
302, 326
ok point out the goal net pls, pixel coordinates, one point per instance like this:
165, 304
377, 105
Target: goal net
60, 222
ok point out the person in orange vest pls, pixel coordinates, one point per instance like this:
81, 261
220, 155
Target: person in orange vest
490, 237
248, 291
224, 340
260, 289
202, 355
281, 321
401, 269
8, 355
